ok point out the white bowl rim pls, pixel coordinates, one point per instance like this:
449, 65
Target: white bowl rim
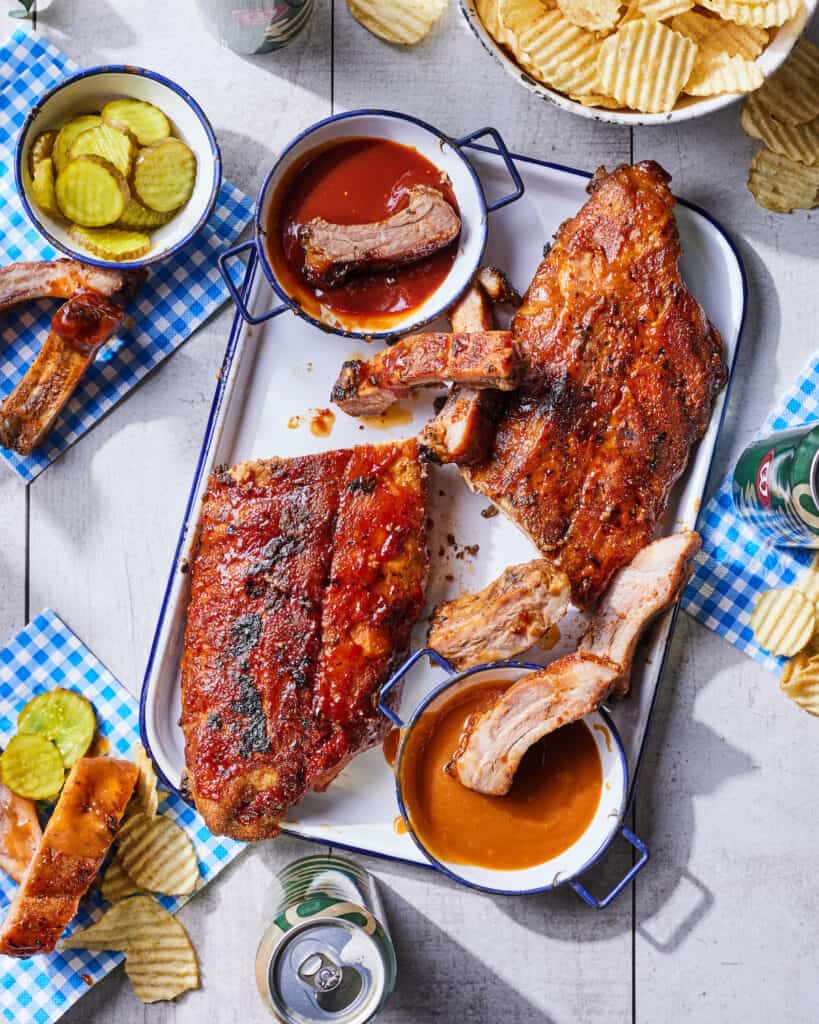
282, 162
126, 69
448, 869
776, 52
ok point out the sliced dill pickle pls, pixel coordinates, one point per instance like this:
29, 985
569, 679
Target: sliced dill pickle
31, 766
146, 121
41, 149
138, 216
117, 147
112, 243
63, 717
66, 136
91, 192
164, 175
42, 187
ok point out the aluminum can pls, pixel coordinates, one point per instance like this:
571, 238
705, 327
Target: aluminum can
256, 26
327, 956
775, 486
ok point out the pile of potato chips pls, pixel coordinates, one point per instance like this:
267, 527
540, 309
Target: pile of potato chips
402, 22
644, 55
786, 622
153, 854
784, 115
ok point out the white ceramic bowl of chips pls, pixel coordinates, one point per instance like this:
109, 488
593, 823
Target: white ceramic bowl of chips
687, 107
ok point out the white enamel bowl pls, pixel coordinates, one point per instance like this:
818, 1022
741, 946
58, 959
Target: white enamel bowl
443, 152
88, 92
687, 108
585, 851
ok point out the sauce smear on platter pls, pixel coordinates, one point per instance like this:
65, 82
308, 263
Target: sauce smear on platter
550, 805
356, 181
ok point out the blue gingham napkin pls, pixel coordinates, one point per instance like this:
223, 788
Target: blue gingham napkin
736, 562
179, 295
44, 655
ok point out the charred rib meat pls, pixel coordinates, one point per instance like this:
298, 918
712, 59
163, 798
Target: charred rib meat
308, 578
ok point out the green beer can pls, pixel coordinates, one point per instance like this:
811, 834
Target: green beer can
327, 955
776, 486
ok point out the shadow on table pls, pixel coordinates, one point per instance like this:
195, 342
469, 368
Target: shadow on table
60, 21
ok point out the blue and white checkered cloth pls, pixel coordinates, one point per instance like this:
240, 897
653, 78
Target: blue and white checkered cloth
737, 562
45, 655
179, 295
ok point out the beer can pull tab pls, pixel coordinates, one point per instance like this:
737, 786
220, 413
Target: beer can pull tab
320, 973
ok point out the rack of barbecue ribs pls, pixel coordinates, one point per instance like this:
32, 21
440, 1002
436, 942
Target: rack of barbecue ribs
621, 370
70, 853
94, 310
308, 577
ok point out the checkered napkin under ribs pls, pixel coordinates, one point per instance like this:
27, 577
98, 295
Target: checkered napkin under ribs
180, 294
45, 655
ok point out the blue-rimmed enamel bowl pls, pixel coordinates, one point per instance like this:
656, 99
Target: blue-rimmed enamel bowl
566, 867
443, 152
89, 91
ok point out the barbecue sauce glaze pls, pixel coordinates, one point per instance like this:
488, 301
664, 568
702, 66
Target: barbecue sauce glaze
550, 805
356, 181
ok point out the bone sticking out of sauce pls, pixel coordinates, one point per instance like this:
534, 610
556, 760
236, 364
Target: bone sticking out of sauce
321, 422
552, 801
398, 415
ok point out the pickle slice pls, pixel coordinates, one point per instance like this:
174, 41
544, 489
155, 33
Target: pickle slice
64, 717
66, 136
91, 192
146, 121
112, 243
164, 175
118, 148
41, 149
42, 187
31, 766
135, 215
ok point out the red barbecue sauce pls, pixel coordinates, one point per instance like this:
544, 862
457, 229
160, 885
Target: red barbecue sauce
86, 321
356, 181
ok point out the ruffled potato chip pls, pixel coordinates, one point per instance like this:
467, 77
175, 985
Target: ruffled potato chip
594, 15
735, 40
791, 94
717, 73
117, 883
783, 621
767, 14
800, 682
550, 47
798, 142
659, 10
146, 797
782, 185
645, 65
158, 855
403, 22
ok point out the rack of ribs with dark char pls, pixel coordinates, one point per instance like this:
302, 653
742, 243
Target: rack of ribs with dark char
621, 368
309, 576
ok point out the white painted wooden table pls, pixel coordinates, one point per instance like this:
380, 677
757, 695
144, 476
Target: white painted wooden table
721, 925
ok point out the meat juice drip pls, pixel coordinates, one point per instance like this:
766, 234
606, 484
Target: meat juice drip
321, 422
357, 181
390, 746
551, 803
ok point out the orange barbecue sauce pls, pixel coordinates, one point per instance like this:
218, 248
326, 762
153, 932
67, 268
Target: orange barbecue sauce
356, 181
551, 803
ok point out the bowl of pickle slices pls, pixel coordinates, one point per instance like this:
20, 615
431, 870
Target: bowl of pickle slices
118, 166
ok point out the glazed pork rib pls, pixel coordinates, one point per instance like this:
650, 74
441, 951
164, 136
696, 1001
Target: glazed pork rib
70, 853
503, 619
308, 578
78, 330
486, 359
332, 252
494, 741
621, 370
60, 279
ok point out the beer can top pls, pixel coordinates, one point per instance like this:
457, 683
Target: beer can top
327, 970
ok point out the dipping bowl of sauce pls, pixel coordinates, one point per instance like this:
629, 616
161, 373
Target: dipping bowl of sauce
359, 170
564, 808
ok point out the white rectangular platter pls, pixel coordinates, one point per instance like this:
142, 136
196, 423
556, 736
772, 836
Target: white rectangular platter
275, 375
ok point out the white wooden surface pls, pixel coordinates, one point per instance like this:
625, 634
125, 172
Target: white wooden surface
721, 926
